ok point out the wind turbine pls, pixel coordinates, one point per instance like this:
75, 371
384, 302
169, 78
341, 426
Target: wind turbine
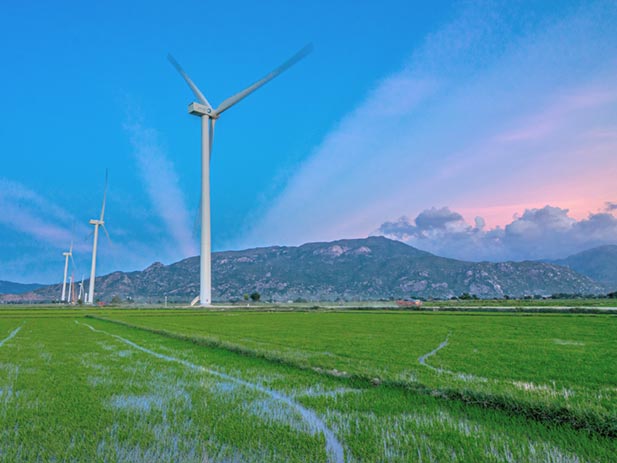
97, 223
67, 255
209, 116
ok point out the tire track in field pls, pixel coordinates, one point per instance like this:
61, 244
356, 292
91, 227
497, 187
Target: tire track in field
334, 448
459, 375
10, 336
422, 359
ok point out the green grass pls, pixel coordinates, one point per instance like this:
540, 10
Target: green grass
70, 393
522, 303
553, 367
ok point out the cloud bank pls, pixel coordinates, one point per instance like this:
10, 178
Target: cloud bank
545, 233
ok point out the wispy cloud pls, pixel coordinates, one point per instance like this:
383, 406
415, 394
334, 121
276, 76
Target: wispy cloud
161, 182
489, 103
564, 111
27, 212
40, 230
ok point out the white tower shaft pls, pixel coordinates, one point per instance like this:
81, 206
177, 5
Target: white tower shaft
205, 260
81, 289
66, 269
96, 224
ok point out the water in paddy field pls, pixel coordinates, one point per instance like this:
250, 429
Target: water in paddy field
161, 399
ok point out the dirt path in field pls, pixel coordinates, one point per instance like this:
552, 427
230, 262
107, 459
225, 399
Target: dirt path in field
10, 336
423, 358
334, 448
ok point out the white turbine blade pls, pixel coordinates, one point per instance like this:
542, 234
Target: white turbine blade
229, 102
104, 197
200, 96
73, 262
211, 138
72, 235
107, 234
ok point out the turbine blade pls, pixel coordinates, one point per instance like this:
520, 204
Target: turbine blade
73, 263
200, 96
107, 234
72, 235
104, 197
229, 102
211, 138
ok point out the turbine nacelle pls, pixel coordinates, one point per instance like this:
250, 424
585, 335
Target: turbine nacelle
96, 222
198, 109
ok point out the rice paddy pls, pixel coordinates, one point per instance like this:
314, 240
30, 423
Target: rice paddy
195, 386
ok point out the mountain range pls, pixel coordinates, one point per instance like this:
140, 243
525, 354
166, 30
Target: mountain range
355, 269
599, 264
8, 287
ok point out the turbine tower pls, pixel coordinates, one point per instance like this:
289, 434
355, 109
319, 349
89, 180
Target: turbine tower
97, 223
66, 269
209, 116
81, 289
67, 255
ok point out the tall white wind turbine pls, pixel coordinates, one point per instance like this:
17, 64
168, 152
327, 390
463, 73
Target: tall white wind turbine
97, 223
209, 116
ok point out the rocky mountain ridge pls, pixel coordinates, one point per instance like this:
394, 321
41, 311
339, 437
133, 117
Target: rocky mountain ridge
355, 269
598, 263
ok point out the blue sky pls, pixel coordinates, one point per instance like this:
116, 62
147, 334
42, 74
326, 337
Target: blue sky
487, 109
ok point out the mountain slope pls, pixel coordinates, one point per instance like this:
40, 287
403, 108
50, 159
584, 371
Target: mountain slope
9, 287
361, 269
599, 264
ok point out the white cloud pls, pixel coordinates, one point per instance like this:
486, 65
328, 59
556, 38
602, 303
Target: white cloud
544, 233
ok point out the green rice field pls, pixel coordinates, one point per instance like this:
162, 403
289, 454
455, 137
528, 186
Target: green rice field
188, 385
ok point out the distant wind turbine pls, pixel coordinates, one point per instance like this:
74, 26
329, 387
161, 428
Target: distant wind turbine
67, 255
100, 222
209, 116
